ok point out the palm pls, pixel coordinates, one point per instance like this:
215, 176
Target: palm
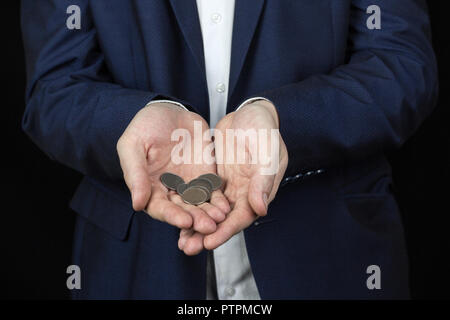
145, 150
159, 154
247, 190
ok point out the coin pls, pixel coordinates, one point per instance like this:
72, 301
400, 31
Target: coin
201, 183
170, 180
215, 180
181, 188
208, 191
195, 195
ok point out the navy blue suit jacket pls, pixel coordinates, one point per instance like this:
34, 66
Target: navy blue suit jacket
345, 95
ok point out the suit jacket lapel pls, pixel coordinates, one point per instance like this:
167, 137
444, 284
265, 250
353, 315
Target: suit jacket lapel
187, 17
246, 17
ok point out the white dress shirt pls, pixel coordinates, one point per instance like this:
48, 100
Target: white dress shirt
231, 277
234, 278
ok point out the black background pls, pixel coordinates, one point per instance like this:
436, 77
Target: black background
37, 225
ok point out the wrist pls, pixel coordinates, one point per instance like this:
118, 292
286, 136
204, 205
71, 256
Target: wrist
266, 105
270, 107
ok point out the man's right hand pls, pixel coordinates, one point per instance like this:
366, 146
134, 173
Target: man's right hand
145, 150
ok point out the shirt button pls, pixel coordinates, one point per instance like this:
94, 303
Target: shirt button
220, 88
216, 18
230, 291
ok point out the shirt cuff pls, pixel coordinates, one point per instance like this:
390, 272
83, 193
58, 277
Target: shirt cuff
168, 101
248, 101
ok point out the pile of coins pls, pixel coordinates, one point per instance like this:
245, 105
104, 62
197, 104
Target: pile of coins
195, 192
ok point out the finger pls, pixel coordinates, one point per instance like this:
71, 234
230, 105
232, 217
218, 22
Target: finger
219, 201
202, 222
215, 213
259, 191
184, 235
276, 186
279, 175
164, 210
194, 244
238, 219
134, 166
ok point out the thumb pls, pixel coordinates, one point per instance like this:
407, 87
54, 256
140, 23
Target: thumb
259, 190
134, 166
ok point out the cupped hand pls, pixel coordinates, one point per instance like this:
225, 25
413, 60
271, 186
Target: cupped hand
250, 185
145, 152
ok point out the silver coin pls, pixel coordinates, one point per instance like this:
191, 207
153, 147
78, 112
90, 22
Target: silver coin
201, 183
181, 188
208, 191
215, 180
170, 180
195, 195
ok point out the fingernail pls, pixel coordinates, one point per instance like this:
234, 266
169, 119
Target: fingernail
182, 243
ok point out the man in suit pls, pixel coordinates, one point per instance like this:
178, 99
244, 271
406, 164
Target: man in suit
106, 97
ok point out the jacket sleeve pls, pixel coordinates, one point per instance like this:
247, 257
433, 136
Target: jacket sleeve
369, 105
74, 111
